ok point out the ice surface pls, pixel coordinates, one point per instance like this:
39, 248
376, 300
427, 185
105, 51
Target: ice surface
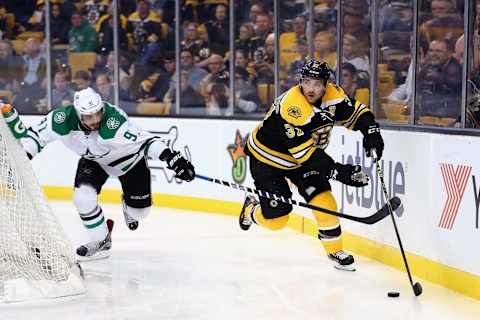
190, 265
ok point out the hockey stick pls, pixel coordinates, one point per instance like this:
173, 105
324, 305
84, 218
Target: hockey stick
417, 287
394, 203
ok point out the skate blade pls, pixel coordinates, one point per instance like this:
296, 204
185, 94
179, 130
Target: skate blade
98, 256
350, 268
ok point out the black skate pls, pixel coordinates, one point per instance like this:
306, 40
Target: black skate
244, 219
343, 260
96, 250
132, 224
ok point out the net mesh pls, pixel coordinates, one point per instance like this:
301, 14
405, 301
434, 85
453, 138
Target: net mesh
33, 245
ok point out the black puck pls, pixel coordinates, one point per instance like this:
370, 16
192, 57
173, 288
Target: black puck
393, 294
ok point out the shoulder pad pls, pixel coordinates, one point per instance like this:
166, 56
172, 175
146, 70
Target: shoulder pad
294, 107
112, 120
333, 95
64, 120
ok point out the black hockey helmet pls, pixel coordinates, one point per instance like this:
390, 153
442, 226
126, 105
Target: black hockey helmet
315, 69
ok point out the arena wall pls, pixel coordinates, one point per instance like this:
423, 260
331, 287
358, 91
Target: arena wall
435, 175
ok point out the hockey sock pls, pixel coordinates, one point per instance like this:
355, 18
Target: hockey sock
329, 231
94, 221
255, 212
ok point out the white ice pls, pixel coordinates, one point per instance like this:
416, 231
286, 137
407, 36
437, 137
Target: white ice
190, 265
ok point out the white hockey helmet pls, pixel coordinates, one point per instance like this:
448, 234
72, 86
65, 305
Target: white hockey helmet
87, 102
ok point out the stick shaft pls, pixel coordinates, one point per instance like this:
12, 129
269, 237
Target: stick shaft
379, 215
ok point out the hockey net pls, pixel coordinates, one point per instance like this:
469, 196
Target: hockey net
36, 259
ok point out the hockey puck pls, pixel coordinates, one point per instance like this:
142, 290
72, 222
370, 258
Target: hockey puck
393, 294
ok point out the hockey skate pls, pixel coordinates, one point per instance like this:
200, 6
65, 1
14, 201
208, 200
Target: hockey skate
96, 250
244, 219
132, 224
343, 260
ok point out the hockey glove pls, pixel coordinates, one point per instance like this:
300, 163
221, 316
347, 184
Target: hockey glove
349, 174
183, 168
372, 140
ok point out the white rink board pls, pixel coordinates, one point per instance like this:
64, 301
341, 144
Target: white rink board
413, 159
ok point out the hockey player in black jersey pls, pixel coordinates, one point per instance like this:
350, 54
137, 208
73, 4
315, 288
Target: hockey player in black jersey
290, 143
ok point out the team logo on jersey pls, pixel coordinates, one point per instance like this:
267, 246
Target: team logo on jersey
294, 112
112, 123
59, 117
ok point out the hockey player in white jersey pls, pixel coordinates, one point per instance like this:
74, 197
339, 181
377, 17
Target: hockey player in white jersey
108, 144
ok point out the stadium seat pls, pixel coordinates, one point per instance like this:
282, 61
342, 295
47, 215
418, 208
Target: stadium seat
266, 92
81, 61
30, 34
18, 46
153, 108
7, 94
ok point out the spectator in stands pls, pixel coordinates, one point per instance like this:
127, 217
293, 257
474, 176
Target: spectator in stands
104, 29
195, 74
253, 13
216, 67
10, 67
62, 95
7, 23
288, 41
324, 43
59, 25
105, 87
292, 76
145, 32
33, 83
192, 42
264, 62
191, 101
263, 26
82, 79
217, 30
108, 69
145, 85
352, 55
217, 95
95, 9
82, 37
350, 85
247, 41
397, 16
36, 22
440, 81
246, 97
446, 23
403, 93
354, 24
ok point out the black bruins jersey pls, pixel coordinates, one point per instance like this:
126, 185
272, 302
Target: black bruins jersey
294, 129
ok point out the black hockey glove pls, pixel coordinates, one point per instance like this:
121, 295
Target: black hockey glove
349, 174
183, 168
372, 140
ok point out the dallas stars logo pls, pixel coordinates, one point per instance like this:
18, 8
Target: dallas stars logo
239, 158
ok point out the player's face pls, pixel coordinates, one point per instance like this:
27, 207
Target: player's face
313, 89
92, 122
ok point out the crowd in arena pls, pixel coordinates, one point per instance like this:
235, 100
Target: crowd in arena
83, 54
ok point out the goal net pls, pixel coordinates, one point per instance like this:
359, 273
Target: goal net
36, 259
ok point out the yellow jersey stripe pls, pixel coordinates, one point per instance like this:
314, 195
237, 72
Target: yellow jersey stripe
265, 160
274, 153
301, 147
266, 155
353, 119
307, 155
